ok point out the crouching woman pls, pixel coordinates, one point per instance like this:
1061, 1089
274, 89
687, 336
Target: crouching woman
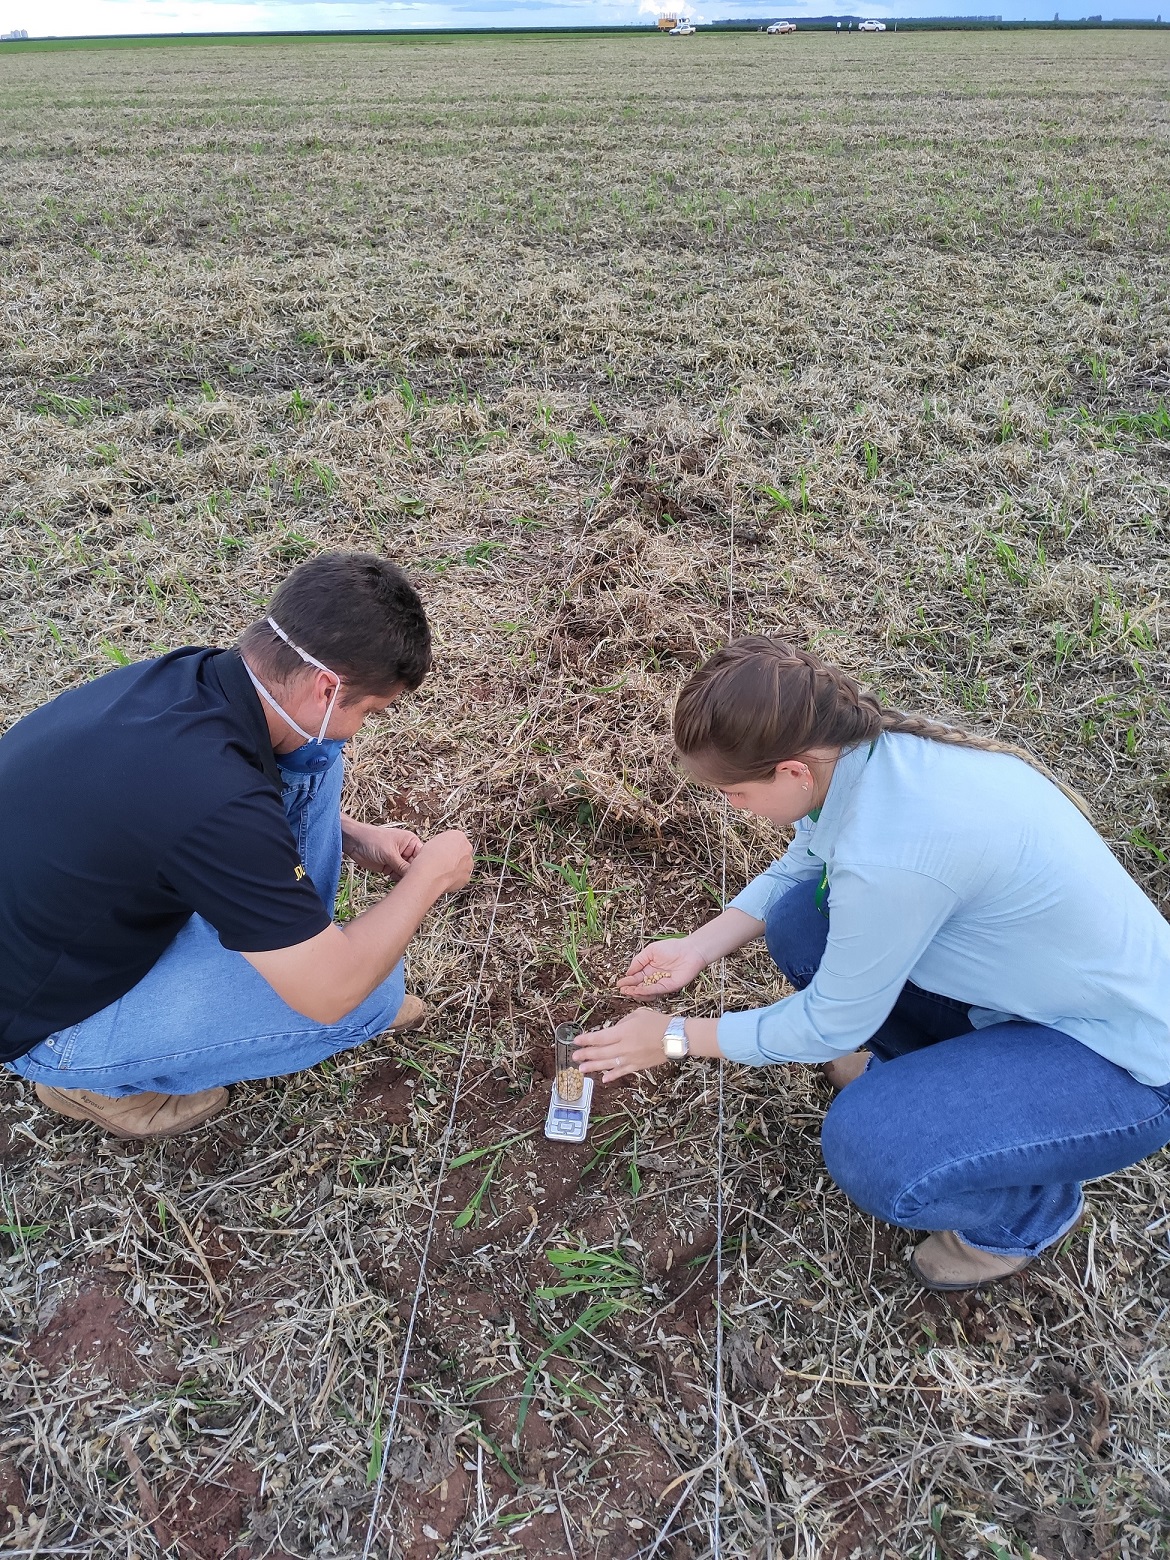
945, 907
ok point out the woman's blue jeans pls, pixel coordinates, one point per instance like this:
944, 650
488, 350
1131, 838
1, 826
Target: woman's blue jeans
987, 1132
203, 1016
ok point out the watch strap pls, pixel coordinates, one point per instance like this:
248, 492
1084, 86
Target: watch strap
674, 1038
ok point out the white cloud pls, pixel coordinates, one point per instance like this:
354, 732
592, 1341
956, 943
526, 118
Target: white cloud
64, 18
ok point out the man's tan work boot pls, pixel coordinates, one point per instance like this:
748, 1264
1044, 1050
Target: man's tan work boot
135, 1115
409, 1016
843, 1069
943, 1261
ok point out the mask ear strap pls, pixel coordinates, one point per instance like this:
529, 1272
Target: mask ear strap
304, 654
329, 706
312, 661
283, 713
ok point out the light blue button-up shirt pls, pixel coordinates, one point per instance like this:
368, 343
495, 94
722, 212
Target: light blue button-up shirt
973, 876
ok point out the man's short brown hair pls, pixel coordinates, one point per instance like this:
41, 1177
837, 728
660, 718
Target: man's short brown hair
357, 613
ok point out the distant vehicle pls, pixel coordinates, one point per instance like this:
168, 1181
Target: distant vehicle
684, 29
782, 27
871, 26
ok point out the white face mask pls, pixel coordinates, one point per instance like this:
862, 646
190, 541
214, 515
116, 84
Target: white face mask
310, 660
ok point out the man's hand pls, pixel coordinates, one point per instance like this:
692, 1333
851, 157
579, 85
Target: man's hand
662, 968
379, 847
446, 860
327, 976
631, 1045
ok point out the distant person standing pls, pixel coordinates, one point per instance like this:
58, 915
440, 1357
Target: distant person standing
172, 839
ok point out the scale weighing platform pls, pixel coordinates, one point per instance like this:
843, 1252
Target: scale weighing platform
568, 1120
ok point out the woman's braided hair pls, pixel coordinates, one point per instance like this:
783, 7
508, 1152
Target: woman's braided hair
760, 701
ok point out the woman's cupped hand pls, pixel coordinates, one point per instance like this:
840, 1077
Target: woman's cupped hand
661, 969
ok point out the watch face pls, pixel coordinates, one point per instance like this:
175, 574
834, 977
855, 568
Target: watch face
675, 1046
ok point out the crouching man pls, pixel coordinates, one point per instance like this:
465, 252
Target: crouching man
171, 838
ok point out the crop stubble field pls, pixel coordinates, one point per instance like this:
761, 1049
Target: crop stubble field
610, 342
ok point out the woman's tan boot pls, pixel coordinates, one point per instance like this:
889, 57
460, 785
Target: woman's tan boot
943, 1261
135, 1115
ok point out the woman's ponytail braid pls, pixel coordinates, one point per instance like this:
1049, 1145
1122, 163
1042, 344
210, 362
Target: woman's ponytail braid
959, 736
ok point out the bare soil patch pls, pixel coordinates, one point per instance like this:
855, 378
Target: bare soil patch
203, 1513
92, 1335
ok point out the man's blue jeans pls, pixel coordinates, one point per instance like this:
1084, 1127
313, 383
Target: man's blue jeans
987, 1132
203, 1016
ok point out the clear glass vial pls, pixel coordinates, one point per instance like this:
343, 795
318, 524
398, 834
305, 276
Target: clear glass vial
570, 1080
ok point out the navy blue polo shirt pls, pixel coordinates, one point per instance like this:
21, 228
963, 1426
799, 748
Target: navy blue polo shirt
126, 805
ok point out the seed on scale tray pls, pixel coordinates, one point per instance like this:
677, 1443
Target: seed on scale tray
570, 1080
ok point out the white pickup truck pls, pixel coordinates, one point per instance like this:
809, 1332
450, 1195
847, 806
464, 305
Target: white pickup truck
782, 27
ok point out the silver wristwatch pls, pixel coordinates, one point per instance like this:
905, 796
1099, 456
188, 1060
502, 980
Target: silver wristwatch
674, 1041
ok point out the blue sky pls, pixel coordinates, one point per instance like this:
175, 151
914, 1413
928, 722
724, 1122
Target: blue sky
65, 17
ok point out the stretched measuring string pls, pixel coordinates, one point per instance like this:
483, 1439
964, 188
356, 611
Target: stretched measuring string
449, 1130
720, 1212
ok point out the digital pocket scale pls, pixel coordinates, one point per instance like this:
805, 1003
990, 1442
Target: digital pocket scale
568, 1120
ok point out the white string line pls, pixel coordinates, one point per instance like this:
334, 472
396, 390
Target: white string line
449, 1130
720, 1212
